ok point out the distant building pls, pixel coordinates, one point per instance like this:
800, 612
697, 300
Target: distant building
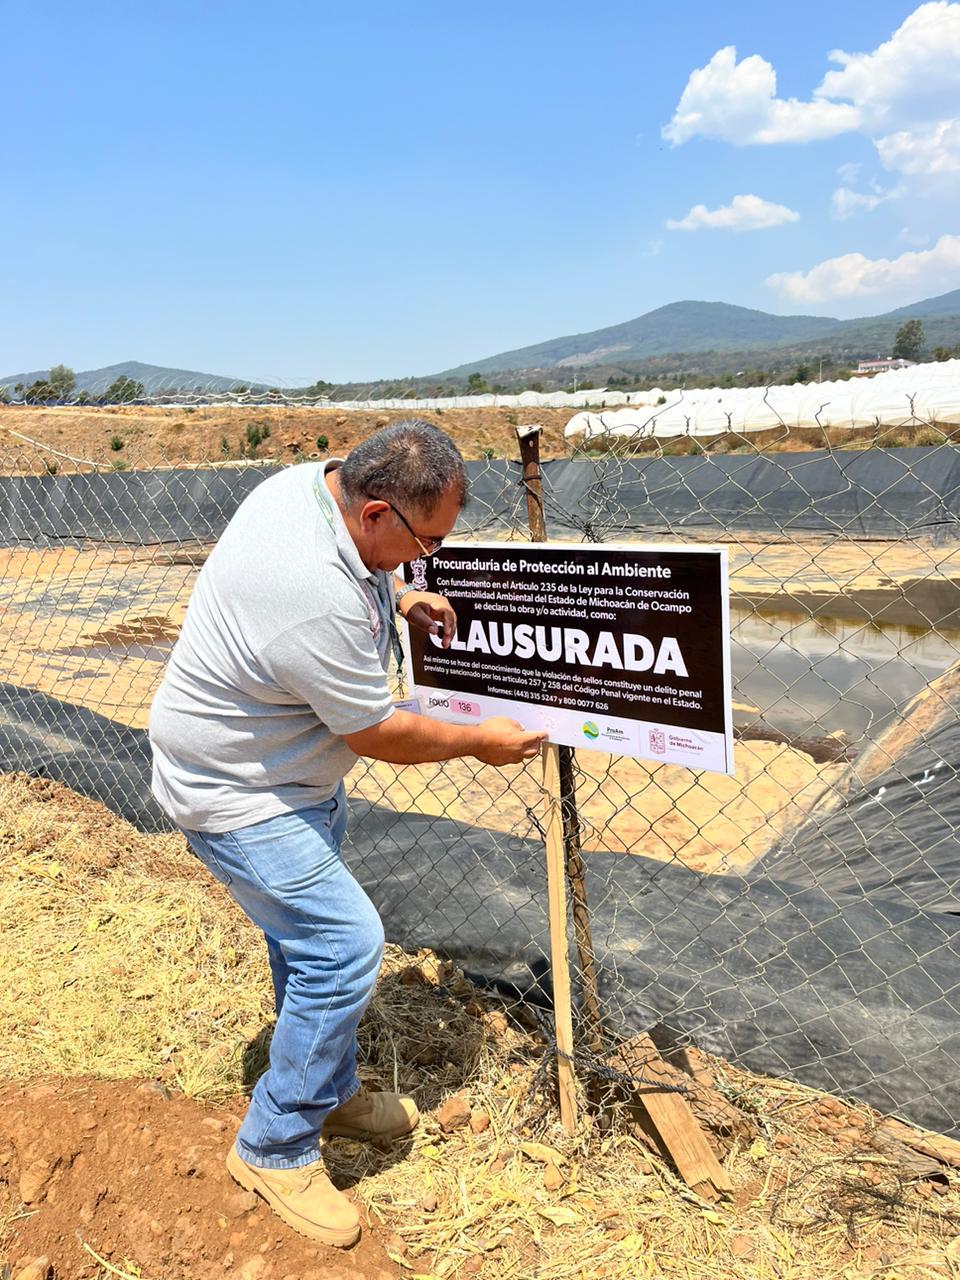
883, 366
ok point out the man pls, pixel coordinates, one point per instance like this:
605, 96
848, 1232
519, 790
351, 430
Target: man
276, 685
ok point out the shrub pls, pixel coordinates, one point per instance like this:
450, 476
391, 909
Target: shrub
118, 464
257, 432
224, 447
928, 436
116, 443
322, 443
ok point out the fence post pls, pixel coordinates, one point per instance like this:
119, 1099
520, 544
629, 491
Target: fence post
562, 834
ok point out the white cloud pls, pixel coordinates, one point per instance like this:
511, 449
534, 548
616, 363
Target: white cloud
849, 172
916, 238
911, 275
928, 150
743, 213
652, 250
902, 95
736, 102
911, 77
846, 203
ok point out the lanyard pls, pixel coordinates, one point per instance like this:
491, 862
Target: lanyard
386, 613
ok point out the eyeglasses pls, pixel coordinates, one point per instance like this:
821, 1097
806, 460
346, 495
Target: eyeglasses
427, 545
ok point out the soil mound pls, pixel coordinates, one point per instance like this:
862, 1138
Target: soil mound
129, 1177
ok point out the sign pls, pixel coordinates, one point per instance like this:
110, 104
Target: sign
614, 648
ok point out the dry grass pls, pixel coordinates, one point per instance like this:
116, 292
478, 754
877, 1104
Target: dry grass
121, 959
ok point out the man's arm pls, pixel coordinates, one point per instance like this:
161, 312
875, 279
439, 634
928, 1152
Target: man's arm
405, 738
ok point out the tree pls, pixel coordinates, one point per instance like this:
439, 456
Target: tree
909, 341
62, 381
39, 392
476, 383
802, 374
123, 390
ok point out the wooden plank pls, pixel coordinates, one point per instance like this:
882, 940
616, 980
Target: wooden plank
672, 1117
559, 947
946, 1150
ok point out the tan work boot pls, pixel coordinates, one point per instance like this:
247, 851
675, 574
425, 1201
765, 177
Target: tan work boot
372, 1115
304, 1198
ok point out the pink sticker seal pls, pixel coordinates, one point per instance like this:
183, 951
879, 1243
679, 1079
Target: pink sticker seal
464, 708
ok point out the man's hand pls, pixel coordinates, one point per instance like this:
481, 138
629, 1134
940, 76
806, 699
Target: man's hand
505, 741
428, 612
405, 738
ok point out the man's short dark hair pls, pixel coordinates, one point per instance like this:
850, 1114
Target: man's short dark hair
412, 463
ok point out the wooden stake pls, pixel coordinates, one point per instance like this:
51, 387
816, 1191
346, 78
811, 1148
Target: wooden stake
672, 1118
529, 440
673, 1121
559, 949
564, 824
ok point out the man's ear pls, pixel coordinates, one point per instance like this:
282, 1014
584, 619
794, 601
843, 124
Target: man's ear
373, 510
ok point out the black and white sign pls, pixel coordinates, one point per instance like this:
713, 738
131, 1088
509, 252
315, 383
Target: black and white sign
616, 648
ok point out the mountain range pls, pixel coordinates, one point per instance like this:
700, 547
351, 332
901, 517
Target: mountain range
155, 378
678, 335
687, 327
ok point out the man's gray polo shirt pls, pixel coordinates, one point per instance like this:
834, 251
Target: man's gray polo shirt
284, 650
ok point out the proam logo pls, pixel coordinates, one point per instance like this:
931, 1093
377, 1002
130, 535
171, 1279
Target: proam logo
590, 730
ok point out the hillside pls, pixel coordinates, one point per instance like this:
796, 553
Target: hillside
156, 379
679, 326
684, 328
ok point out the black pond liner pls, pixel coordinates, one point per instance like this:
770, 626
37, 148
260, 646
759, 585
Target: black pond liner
896, 840
855, 493
856, 996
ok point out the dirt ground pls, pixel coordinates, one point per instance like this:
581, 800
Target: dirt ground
154, 436
131, 1176
134, 1018
77, 437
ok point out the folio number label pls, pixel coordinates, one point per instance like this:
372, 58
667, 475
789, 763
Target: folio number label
463, 708
459, 706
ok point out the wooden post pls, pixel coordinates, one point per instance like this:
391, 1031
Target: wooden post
560, 787
529, 438
559, 951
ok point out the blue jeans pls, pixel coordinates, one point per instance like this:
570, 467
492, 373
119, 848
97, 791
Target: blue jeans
325, 943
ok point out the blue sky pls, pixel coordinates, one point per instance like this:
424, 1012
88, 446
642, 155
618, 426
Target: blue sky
292, 191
